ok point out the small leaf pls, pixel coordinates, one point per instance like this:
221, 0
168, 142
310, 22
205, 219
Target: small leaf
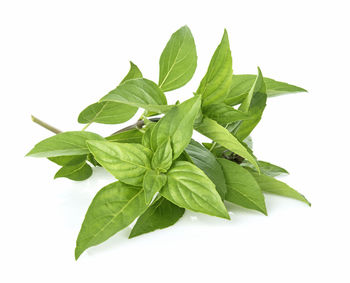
163, 157
139, 93
146, 139
267, 168
68, 159
178, 125
242, 189
131, 136
161, 214
67, 143
190, 188
270, 185
241, 84
134, 73
178, 60
223, 113
207, 162
217, 81
127, 162
114, 207
152, 183
222, 136
76, 172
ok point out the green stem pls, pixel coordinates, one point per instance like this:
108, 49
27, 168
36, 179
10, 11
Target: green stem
45, 125
87, 125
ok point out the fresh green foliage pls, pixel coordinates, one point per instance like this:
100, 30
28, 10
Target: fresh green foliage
161, 169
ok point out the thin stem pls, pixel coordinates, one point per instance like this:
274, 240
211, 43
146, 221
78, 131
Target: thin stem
45, 125
87, 125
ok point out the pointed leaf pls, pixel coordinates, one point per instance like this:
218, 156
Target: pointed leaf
146, 139
190, 188
134, 73
242, 189
163, 157
114, 207
76, 172
152, 183
267, 168
68, 159
223, 113
127, 162
217, 81
178, 60
67, 143
161, 214
131, 136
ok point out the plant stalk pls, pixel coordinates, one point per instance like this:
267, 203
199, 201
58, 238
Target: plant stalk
45, 125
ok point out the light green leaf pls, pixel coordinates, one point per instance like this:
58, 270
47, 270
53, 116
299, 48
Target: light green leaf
267, 168
178, 125
111, 112
190, 188
161, 214
139, 93
67, 143
114, 207
242, 189
68, 159
163, 157
127, 162
223, 113
207, 162
178, 60
152, 183
131, 136
146, 139
217, 81
222, 136
270, 185
241, 84
76, 172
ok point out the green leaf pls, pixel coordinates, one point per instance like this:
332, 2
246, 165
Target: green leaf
161, 214
152, 183
68, 159
241, 84
139, 93
270, 185
190, 188
67, 143
217, 81
223, 113
111, 112
146, 139
127, 162
222, 136
114, 207
163, 157
76, 172
131, 136
254, 104
207, 162
178, 125
178, 61
242, 189
267, 168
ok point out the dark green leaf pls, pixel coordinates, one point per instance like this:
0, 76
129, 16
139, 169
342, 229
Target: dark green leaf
161, 214
242, 189
267, 168
207, 162
114, 207
152, 183
216, 82
67, 143
178, 60
77, 172
131, 136
127, 162
68, 159
190, 188
223, 113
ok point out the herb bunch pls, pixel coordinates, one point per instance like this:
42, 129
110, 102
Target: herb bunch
161, 170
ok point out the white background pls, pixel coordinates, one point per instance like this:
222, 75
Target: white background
57, 57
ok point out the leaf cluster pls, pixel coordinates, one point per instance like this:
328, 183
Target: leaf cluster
161, 170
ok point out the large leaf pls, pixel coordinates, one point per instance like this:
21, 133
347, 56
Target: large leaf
114, 207
163, 156
190, 188
127, 162
242, 189
207, 162
178, 60
223, 113
178, 125
270, 185
241, 84
67, 143
161, 214
111, 112
222, 136
254, 105
216, 82
76, 172
130, 136
267, 168
152, 183
139, 93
